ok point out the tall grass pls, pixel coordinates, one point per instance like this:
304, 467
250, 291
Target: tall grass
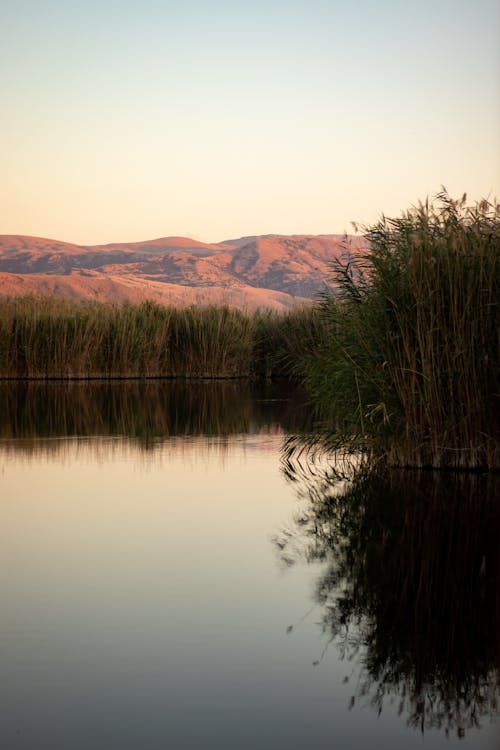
281, 342
52, 338
411, 370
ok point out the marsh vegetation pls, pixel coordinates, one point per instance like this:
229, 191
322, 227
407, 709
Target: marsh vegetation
410, 371
58, 338
401, 359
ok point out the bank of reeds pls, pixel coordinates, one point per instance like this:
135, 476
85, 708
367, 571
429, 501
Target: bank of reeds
282, 341
411, 370
58, 338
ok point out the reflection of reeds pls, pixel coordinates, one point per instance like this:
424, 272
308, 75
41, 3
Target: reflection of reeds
412, 366
50, 338
144, 410
412, 581
190, 449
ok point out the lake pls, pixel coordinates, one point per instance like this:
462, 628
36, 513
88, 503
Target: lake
176, 574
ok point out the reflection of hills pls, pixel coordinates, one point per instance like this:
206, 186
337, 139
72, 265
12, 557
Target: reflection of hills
272, 270
146, 411
412, 584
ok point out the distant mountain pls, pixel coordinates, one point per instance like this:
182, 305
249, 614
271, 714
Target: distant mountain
276, 271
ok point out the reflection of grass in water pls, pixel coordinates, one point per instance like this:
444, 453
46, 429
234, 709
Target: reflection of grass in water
143, 410
411, 584
156, 452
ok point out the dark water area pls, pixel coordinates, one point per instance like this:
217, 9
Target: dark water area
149, 410
411, 578
174, 574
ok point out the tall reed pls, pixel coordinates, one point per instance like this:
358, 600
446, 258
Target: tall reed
282, 341
51, 337
411, 371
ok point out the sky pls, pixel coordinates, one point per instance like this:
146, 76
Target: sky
124, 120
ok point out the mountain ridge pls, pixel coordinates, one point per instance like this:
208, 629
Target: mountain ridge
277, 271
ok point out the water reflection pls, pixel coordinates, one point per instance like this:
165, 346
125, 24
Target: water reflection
141, 601
410, 586
146, 411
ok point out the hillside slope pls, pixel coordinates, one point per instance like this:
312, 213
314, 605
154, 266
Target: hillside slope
276, 271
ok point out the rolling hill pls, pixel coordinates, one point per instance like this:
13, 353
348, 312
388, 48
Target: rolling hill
276, 271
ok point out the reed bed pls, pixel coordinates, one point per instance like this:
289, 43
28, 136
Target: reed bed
411, 370
57, 338
282, 342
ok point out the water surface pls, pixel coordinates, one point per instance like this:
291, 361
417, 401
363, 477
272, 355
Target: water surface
168, 581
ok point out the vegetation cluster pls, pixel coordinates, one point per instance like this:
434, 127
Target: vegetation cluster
57, 338
402, 361
411, 366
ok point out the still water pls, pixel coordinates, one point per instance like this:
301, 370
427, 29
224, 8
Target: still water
172, 577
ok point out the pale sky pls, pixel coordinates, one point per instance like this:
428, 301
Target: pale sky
125, 120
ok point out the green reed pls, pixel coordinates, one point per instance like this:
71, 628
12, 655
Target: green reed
52, 338
282, 341
411, 370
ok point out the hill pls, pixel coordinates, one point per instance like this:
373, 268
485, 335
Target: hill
276, 271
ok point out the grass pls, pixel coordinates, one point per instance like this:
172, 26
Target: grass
411, 368
56, 338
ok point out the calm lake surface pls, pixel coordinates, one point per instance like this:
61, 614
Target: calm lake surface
171, 577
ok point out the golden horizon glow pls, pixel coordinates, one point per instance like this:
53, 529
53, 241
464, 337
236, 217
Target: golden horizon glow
126, 121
